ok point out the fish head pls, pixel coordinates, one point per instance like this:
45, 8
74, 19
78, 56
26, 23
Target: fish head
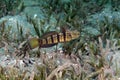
74, 34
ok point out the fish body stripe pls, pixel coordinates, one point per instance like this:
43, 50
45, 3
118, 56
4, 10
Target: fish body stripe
58, 38
49, 40
52, 39
44, 41
55, 38
61, 37
68, 37
64, 36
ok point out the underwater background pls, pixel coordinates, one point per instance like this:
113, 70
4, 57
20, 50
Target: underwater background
94, 55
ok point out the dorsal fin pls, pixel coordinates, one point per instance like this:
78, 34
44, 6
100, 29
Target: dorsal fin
48, 34
64, 28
